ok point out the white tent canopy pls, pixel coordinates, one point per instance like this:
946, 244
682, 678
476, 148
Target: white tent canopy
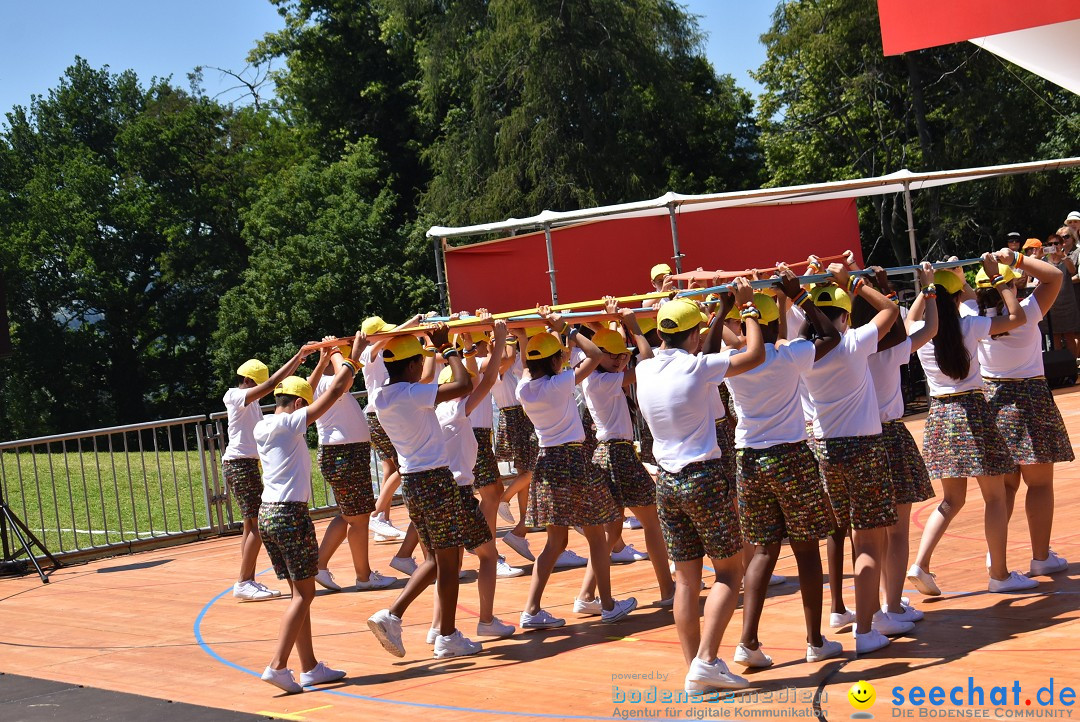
1052, 51
898, 182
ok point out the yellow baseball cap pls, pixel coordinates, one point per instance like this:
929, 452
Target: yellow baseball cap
295, 386
660, 269
983, 281
610, 341
255, 370
448, 373
404, 347
375, 325
678, 315
533, 330
646, 324
826, 295
766, 306
948, 281
542, 345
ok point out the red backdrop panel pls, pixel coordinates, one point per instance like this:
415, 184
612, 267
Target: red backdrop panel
916, 24
614, 256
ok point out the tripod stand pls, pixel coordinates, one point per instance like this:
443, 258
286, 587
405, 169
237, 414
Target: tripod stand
8, 519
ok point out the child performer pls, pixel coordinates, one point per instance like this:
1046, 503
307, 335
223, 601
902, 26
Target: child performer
780, 492
375, 376
1023, 406
284, 522
406, 410
345, 462
515, 441
240, 464
696, 504
461, 450
960, 436
487, 481
910, 480
853, 462
566, 490
615, 456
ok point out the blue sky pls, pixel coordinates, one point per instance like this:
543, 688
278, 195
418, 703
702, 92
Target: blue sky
40, 38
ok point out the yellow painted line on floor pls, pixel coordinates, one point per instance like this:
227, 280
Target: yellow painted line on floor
623, 639
298, 715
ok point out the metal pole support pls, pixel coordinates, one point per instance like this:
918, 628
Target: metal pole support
440, 264
551, 265
675, 238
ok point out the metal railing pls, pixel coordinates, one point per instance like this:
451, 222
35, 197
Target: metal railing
122, 488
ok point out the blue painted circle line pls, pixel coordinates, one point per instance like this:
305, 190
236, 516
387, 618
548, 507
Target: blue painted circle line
197, 629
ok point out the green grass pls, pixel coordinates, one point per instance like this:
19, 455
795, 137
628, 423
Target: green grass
86, 499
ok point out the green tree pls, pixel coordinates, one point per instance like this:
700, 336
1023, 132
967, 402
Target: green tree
325, 254
834, 107
121, 230
570, 103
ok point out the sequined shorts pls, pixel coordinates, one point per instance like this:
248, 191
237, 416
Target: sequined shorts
347, 469
288, 535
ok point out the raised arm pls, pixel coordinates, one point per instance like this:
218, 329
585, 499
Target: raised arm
491, 368
898, 331
256, 393
923, 309
1050, 278
886, 309
344, 372
459, 383
320, 365
827, 336
754, 353
1016, 317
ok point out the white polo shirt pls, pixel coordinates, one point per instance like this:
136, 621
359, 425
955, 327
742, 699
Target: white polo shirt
549, 404
974, 329
766, 398
607, 404
242, 419
407, 414
342, 423
841, 389
1017, 354
286, 461
504, 392
673, 388
374, 371
459, 440
885, 368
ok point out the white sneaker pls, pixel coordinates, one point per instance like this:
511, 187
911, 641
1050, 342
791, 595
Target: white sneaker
541, 620
753, 658
326, 580
1015, 582
505, 514
777, 579
622, 608
841, 619
387, 629
889, 625
282, 679
249, 591
591, 607
519, 544
405, 565
703, 677
1051, 565
320, 674
432, 635
631, 522
456, 645
827, 650
569, 560
925, 582
910, 613
265, 588
374, 581
381, 527
384, 538
628, 554
870, 642
505, 571
495, 628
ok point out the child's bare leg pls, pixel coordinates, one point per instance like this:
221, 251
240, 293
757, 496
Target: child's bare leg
655, 546
613, 532
545, 563
250, 544
292, 623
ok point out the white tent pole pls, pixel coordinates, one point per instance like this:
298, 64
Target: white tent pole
440, 263
551, 265
675, 238
910, 225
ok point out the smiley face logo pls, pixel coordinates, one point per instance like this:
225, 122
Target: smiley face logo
862, 695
